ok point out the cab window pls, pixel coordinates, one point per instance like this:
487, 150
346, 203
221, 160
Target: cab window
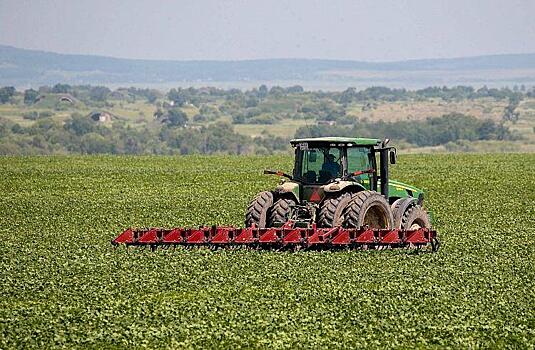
320, 165
359, 158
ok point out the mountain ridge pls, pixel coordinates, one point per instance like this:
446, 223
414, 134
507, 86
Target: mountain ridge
25, 66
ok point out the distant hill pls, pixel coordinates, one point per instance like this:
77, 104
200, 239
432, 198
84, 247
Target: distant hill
21, 67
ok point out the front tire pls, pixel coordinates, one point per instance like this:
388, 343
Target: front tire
257, 211
368, 208
415, 217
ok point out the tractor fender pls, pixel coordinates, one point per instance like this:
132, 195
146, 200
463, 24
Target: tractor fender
345, 186
290, 188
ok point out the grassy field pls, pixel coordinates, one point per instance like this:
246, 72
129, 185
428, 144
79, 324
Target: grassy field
284, 128
484, 108
63, 285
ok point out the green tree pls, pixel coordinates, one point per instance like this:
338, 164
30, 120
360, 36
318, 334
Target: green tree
6, 93
348, 95
93, 143
30, 96
277, 91
263, 91
296, 89
175, 117
99, 93
178, 96
152, 96
79, 125
251, 102
61, 89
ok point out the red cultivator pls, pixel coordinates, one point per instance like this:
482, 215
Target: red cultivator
286, 236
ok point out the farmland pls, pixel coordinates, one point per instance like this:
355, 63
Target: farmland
64, 119
63, 285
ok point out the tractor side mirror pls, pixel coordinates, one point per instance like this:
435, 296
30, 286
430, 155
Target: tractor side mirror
393, 156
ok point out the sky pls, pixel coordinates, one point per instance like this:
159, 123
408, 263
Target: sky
373, 30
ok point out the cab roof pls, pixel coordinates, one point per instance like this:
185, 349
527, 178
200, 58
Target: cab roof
358, 141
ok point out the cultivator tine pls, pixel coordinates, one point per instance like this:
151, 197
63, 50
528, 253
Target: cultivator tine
124, 238
223, 235
286, 236
390, 237
342, 237
366, 236
246, 236
294, 236
149, 237
419, 236
174, 236
197, 236
270, 235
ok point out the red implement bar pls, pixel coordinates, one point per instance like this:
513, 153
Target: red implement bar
284, 236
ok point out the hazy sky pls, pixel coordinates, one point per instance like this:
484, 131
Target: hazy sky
337, 29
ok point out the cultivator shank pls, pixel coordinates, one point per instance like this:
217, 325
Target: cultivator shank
287, 236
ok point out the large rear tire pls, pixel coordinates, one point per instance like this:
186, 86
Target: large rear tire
332, 209
415, 217
280, 212
257, 211
368, 208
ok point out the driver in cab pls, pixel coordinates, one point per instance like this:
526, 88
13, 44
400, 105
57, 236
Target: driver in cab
331, 166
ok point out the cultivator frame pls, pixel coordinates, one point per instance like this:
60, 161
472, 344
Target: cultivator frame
288, 236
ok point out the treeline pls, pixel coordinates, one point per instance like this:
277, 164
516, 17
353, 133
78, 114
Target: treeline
90, 95
80, 134
265, 105
429, 132
252, 97
445, 93
208, 128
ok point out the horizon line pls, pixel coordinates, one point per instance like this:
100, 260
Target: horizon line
270, 59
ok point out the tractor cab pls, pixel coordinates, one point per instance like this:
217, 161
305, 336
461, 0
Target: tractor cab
325, 165
337, 181
319, 163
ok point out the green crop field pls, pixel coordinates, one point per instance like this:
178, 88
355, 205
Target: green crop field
63, 285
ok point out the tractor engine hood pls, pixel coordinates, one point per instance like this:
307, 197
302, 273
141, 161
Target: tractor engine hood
401, 190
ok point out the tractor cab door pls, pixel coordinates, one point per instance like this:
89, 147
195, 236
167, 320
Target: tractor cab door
362, 159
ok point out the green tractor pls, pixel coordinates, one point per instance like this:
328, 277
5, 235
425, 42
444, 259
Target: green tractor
339, 181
